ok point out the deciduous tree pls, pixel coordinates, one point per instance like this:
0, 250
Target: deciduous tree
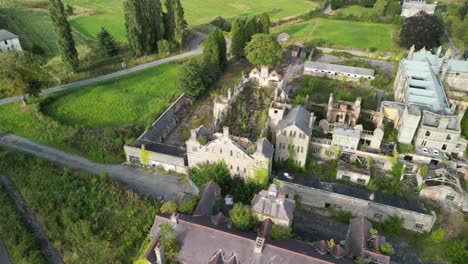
380, 6
193, 78
65, 41
264, 24
422, 30
214, 53
242, 217
393, 8
263, 49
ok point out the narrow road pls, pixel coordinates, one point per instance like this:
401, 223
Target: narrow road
194, 46
51, 254
4, 258
148, 183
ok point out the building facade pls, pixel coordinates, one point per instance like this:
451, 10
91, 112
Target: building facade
243, 157
412, 7
293, 136
9, 41
335, 71
359, 174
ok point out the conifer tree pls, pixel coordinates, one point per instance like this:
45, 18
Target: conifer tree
250, 28
134, 27
180, 25
106, 42
237, 39
214, 53
264, 24
65, 41
169, 21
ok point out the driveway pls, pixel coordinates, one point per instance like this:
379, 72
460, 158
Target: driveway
194, 46
152, 184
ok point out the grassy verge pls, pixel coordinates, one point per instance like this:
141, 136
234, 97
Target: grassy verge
96, 120
19, 240
90, 220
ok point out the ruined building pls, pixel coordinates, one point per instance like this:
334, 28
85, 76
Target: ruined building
269, 204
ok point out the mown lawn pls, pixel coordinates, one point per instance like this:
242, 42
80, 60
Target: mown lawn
134, 98
356, 10
197, 12
89, 219
15, 234
342, 34
95, 121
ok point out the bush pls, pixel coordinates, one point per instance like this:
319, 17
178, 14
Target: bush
187, 205
387, 248
279, 232
344, 216
242, 217
165, 47
405, 148
392, 226
168, 207
457, 251
438, 235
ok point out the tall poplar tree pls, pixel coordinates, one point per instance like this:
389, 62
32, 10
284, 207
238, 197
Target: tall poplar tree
214, 53
153, 19
65, 41
250, 28
237, 39
180, 25
134, 26
264, 24
169, 21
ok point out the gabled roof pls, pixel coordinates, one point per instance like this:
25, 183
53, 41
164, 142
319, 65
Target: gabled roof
6, 35
209, 194
356, 239
265, 147
339, 68
274, 206
299, 117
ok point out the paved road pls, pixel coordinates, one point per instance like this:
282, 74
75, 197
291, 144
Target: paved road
51, 254
4, 258
194, 46
147, 183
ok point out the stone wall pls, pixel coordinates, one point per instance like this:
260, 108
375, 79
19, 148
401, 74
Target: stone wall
358, 207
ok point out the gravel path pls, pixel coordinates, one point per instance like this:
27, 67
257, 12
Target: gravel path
145, 182
47, 248
194, 46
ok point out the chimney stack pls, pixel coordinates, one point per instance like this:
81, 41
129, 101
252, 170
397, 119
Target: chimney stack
174, 218
160, 256
193, 134
443, 122
225, 132
259, 243
312, 120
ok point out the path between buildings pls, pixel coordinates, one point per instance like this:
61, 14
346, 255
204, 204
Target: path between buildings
148, 183
50, 253
194, 46
4, 258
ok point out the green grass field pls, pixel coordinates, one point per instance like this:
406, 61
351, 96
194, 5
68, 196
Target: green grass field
95, 121
120, 101
342, 34
356, 10
197, 12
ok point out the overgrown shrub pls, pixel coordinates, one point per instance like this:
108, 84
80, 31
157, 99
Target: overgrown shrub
188, 205
437, 235
168, 207
242, 217
457, 251
387, 248
392, 226
279, 232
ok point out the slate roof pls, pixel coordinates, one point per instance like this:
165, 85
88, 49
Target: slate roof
298, 116
338, 68
6, 35
209, 193
457, 66
358, 193
275, 206
161, 148
356, 239
347, 131
265, 147
201, 240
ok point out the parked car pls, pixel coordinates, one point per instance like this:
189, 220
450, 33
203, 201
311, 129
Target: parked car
288, 176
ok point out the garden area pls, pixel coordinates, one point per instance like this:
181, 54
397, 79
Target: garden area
96, 120
90, 219
18, 238
342, 34
109, 13
319, 90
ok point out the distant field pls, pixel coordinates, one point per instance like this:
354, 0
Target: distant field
197, 12
356, 10
342, 34
96, 120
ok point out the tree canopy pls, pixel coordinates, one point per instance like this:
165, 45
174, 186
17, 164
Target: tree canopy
422, 30
238, 39
20, 74
106, 43
193, 78
214, 52
263, 49
264, 24
242, 217
65, 41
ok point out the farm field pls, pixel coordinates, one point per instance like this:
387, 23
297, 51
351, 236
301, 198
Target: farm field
96, 120
342, 34
356, 10
78, 211
109, 13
